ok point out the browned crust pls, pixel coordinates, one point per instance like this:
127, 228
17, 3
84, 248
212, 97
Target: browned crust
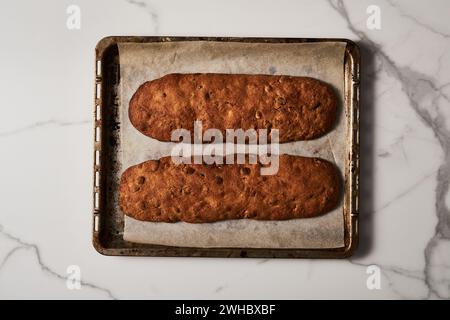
162, 191
300, 108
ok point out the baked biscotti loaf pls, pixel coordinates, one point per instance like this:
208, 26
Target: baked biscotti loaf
300, 108
162, 191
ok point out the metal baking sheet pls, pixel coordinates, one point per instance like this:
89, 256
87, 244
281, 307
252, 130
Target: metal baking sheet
108, 221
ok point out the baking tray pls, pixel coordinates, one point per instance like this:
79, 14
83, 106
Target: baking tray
108, 221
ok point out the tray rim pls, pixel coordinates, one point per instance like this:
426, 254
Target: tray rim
351, 201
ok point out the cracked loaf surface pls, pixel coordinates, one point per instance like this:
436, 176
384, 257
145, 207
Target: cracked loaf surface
162, 191
300, 108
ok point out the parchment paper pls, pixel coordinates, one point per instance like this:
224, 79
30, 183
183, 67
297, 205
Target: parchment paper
144, 62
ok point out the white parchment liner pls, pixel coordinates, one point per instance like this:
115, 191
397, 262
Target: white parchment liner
144, 62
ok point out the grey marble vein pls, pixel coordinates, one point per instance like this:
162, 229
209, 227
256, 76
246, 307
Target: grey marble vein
39, 124
389, 271
225, 286
21, 245
404, 14
405, 192
148, 7
262, 261
384, 154
418, 88
218, 289
10, 254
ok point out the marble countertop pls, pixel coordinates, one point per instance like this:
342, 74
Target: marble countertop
45, 136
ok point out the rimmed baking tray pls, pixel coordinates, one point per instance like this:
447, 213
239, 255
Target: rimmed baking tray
108, 221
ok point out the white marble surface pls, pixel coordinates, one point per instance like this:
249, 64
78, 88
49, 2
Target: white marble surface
45, 138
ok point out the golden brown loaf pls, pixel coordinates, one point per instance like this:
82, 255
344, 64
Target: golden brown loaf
300, 108
162, 191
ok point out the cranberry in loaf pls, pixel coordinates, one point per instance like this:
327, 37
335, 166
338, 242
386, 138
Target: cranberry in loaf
162, 191
300, 108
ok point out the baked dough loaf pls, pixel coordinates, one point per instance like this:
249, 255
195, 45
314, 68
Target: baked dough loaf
300, 108
162, 191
